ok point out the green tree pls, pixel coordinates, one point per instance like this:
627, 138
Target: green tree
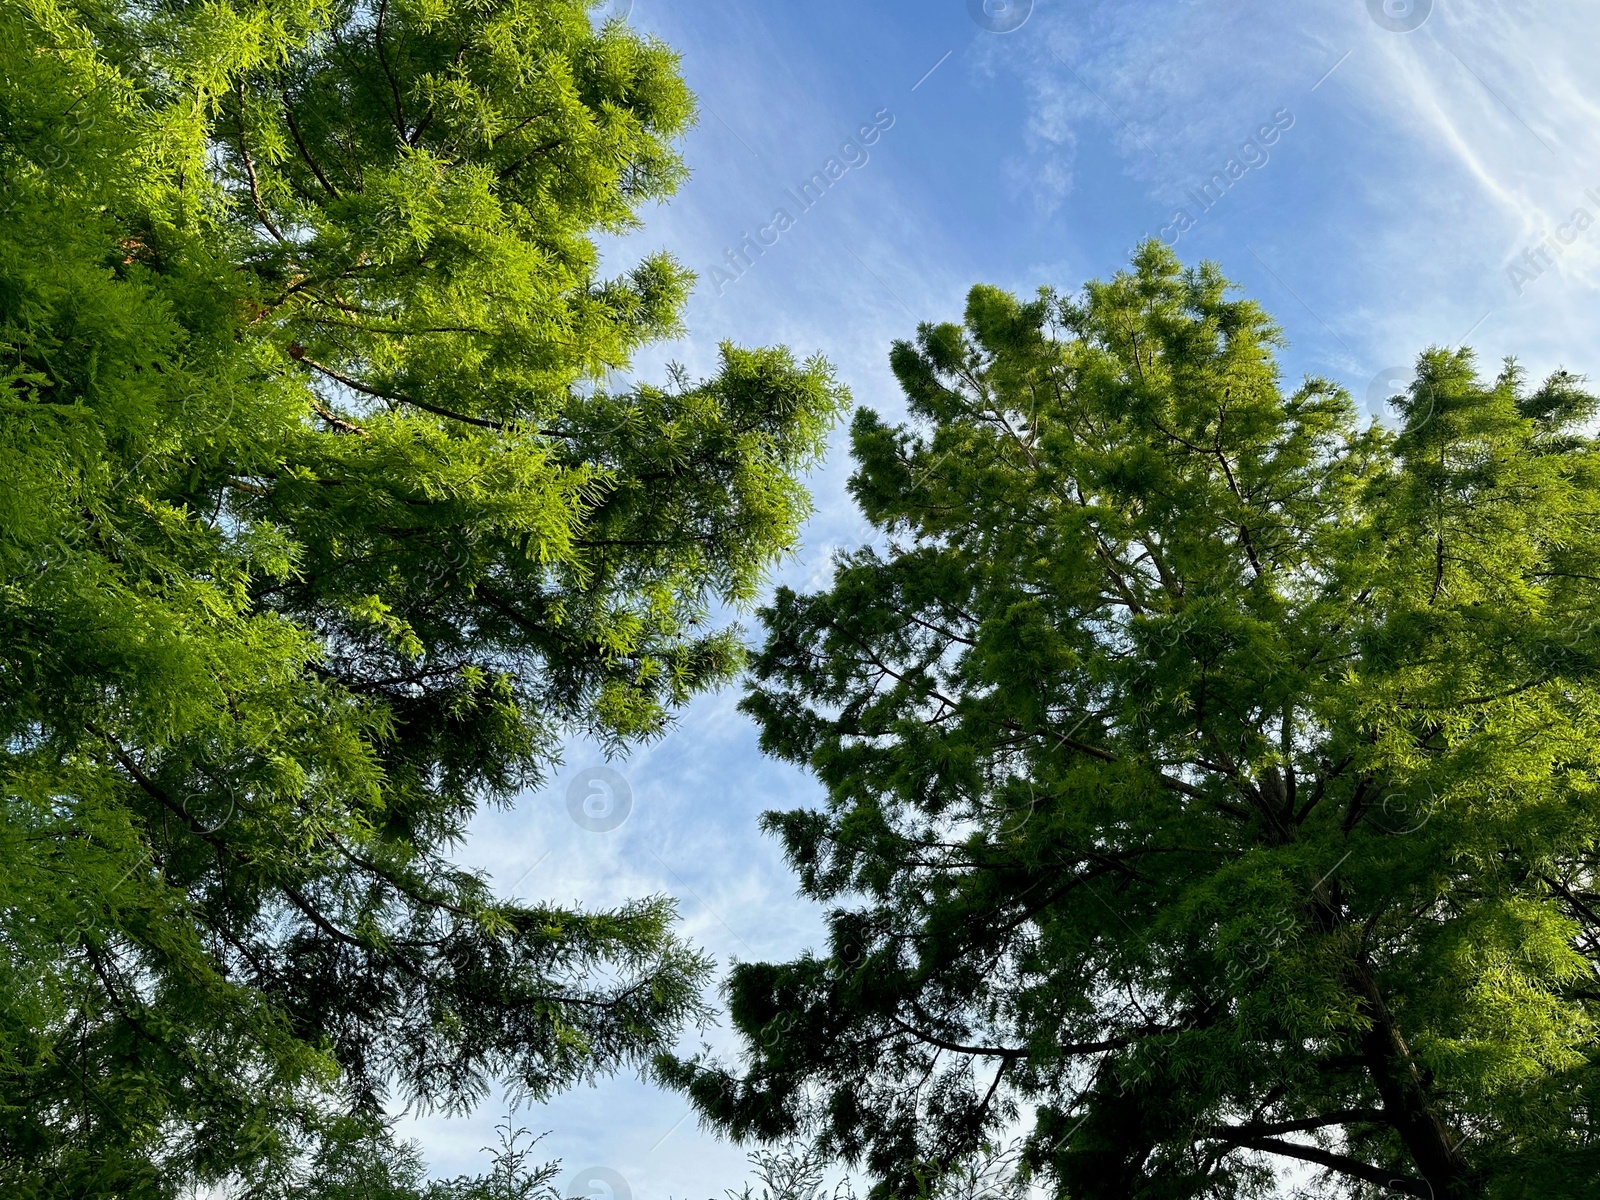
1211, 781
320, 526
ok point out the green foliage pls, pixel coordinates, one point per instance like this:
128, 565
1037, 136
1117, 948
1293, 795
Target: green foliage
1211, 781
358, 1158
319, 527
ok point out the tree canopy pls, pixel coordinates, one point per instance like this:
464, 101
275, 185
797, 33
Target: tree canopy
1211, 779
321, 525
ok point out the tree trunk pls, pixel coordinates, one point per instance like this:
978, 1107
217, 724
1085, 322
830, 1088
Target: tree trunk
1431, 1144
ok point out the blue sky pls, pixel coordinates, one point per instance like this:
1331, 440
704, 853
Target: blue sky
1428, 184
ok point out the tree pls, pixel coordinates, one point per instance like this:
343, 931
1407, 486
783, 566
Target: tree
797, 1171
1211, 781
320, 527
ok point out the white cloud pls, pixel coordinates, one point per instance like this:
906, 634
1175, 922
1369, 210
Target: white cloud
1416, 173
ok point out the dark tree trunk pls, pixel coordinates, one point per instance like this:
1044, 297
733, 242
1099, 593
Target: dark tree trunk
1432, 1145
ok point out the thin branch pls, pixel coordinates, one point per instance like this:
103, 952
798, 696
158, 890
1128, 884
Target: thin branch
1361, 1116
388, 71
336, 421
305, 153
356, 385
1342, 1163
508, 171
1003, 1052
255, 184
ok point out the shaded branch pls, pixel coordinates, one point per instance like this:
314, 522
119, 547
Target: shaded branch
1341, 1163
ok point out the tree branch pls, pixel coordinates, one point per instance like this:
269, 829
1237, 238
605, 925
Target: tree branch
255, 184
300, 143
1342, 1163
298, 354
